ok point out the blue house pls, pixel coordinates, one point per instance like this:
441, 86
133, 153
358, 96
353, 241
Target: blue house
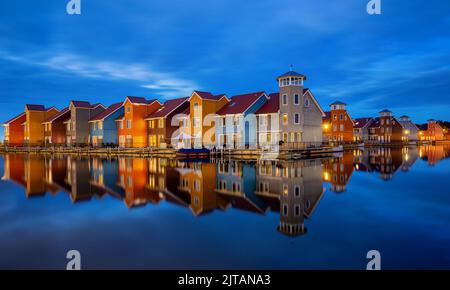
236, 122
104, 127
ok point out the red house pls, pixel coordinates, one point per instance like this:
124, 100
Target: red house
14, 130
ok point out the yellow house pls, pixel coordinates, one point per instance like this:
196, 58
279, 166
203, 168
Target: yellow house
34, 133
203, 107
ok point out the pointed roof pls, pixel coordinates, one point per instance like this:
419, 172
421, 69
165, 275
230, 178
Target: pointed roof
338, 103
362, 122
106, 113
241, 103
81, 104
305, 91
31, 107
385, 111
375, 123
271, 106
291, 74
64, 113
14, 119
209, 96
167, 108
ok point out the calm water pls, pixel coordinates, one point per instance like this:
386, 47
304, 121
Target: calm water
163, 214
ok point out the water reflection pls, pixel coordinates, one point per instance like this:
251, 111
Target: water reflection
290, 189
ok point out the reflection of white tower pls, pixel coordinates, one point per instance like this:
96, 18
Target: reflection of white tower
292, 212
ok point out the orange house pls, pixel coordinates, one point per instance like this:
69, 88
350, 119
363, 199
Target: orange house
34, 133
341, 124
434, 132
14, 135
203, 107
132, 126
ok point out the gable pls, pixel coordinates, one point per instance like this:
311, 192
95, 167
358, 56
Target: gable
311, 97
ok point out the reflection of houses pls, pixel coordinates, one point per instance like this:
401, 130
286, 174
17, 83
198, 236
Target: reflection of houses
198, 179
433, 154
14, 168
105, 176
34, 176
338, 171
410, 156
386, 161
133, 178
78, 178
236, 183
294, 188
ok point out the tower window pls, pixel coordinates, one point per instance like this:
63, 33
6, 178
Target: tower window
307, 103
341, 117
296, 99
285, 210
297, 118
284, 99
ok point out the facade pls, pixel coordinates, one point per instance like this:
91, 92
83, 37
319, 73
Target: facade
162, 125
268, 123
78, 128
14, 130
361, 129
132, 126
33, 128
104, 127
386, 129
300, 113
202, 113
338, 172
434, 132
410, 130
341, 124
236, 123
55, 128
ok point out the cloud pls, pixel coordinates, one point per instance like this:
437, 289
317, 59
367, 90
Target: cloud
165, 84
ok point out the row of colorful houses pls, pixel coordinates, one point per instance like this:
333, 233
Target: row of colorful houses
339, 126
291, 117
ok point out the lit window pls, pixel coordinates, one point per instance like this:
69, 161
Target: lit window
128, 124
160, 123
195, 105
285, 119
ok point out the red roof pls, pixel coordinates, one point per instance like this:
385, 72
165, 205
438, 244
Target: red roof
81, 104
239, 104
375, 123
14, 119
35, 107
362, 122
111, 109
140, 100
64, 113
209, 96
167, 108
271, 106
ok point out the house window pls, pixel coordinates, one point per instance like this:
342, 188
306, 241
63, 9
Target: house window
297, 118
196, 201
160, 123
341, 117
121, 125
269, 138
387, 122
342, 127
297, 191
236, 121
297, 210
307, 103
334, 128
284, 99
335, 117
128, 124
196, 185
382, 121
224, 122
285, 209
296, 99
100, 125
285, 119
195, 106
285, 189
128, 109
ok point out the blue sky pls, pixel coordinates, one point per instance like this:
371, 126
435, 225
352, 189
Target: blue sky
166, 49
